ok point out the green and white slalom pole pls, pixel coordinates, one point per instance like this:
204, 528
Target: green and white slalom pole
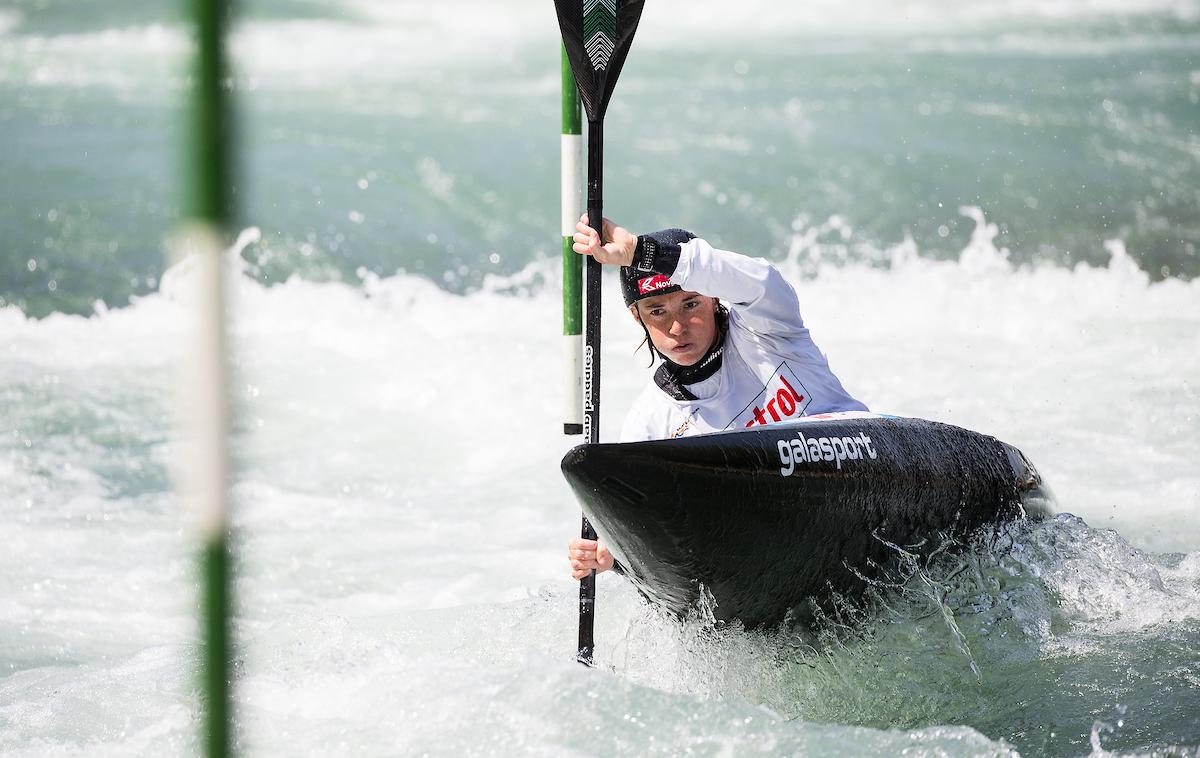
204, 467
572, 264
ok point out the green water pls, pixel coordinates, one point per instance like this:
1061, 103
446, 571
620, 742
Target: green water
1066, 133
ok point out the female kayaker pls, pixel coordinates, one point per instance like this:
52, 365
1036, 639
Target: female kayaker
753, 363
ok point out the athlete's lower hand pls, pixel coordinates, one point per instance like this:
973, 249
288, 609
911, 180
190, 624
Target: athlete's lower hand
586, 555
618, 251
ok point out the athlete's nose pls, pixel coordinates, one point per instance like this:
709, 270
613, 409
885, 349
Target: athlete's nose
677, 328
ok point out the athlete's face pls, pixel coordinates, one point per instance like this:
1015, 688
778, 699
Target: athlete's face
682, 325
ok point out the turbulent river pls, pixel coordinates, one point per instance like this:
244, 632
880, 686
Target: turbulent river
990, 215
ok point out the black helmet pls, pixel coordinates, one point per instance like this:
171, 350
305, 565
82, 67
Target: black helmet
637, 284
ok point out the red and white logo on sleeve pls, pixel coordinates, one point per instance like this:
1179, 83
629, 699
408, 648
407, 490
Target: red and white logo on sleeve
783, 397
653, 284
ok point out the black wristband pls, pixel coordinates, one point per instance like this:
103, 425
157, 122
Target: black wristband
658, 252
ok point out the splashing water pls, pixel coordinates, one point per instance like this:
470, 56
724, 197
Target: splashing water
989, 211
387, 588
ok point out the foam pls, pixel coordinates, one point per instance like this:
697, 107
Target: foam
398, 491
1081, 368
122, 59
9, 19
381, 40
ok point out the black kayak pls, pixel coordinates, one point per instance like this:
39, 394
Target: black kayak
767, 518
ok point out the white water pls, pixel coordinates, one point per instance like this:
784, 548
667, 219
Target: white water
404, 41
401, 520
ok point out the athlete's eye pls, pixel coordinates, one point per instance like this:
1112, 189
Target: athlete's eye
657, 312
691, 304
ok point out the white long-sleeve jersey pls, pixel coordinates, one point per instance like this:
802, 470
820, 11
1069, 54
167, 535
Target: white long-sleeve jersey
771, 369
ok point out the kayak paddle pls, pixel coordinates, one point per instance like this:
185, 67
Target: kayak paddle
597, 35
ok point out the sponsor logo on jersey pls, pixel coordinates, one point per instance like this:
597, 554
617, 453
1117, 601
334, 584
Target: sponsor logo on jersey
801, 449
783, 397
653, 284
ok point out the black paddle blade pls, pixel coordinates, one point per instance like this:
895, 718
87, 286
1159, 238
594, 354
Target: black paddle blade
597, 34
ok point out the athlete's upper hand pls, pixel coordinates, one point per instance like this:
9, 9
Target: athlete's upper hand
618, 251
586, 555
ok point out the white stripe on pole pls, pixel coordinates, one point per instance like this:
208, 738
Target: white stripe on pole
572, 209
204, 464
573, 395
572, 182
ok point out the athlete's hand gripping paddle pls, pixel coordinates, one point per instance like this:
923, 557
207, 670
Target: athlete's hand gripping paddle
597, 35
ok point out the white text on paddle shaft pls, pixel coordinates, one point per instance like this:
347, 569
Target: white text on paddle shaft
588, 407
804, 450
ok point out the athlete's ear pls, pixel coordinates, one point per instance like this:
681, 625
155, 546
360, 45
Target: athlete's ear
633, 311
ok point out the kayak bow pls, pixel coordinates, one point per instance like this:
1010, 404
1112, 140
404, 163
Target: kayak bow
768, 517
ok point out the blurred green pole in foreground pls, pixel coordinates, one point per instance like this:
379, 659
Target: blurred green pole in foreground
206, 466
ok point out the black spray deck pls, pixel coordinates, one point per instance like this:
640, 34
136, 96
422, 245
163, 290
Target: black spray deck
766, 518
